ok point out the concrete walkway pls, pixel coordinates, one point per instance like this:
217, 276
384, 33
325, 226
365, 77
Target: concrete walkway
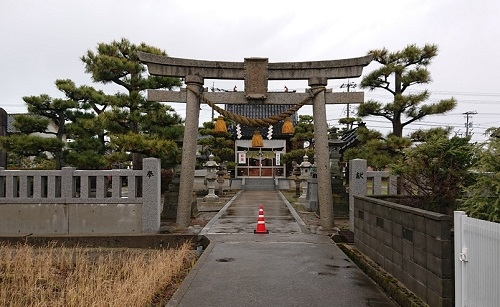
286, 267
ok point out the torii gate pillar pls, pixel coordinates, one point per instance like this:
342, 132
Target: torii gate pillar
189, 145
322, 159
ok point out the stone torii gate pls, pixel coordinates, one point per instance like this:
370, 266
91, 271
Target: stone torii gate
256, 72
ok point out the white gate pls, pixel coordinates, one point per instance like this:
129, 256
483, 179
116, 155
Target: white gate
477, 262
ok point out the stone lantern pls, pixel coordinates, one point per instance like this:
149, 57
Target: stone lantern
211, 176
334, 145
296, 172
222, 171
305, 174
312, 189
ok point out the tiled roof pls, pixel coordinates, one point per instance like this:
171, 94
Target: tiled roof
261, 111
10, 123
350, 138
11, 119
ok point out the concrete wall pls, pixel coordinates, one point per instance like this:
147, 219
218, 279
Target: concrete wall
44, 219
282, 183
415, 246
73, 201
286, 184
200, 184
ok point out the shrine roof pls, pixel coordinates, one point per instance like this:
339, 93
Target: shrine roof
261, 111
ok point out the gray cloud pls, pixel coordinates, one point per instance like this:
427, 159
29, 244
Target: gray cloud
43, 40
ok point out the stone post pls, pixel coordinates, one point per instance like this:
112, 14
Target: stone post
357, 185
151, 195
67, 183
322, 154
189, 144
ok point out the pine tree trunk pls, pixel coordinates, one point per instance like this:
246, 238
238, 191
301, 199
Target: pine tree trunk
397, 128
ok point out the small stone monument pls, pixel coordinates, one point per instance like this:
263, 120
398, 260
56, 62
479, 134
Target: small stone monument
170, 198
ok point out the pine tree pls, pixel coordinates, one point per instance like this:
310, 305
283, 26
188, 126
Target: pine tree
406, 68
130, 113
43, 111
377, 150
221, 145
302, 141
87, 147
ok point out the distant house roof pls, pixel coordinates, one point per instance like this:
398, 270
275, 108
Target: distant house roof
12, 117
261, 111
350, 138
10, 123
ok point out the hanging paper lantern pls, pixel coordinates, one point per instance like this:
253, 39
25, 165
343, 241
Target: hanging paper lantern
288, 126
257, 140
220, 125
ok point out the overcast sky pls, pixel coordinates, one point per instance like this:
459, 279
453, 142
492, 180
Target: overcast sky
42, 41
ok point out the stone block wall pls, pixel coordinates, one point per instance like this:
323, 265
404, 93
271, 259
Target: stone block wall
415, 246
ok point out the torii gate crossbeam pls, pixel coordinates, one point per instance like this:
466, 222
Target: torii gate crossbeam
256, 72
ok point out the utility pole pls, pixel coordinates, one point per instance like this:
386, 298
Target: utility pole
213, 90
467, 123
348, 85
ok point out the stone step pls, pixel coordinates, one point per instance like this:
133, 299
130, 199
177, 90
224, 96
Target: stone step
259, 184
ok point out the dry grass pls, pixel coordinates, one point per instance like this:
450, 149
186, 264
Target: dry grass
53, 276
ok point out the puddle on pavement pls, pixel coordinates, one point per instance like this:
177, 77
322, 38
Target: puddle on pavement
224, 259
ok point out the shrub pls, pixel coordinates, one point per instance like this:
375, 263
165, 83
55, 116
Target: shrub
437, 170
483, 196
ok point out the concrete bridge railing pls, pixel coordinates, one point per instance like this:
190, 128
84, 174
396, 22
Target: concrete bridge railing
71, 201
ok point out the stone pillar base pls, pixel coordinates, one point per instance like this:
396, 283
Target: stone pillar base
211, 198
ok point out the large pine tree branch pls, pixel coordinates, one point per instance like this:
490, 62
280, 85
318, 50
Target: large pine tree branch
440, 107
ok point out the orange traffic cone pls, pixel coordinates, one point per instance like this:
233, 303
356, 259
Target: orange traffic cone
261, 224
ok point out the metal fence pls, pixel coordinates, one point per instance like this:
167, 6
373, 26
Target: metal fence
477, 261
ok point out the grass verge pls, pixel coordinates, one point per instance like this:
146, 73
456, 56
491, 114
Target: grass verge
55, 276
